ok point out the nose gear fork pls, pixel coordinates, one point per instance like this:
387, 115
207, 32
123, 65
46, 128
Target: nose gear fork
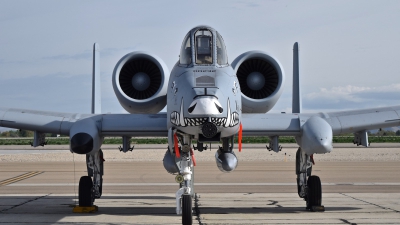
185, 179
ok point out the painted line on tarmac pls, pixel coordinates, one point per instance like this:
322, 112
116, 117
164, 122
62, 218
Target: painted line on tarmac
19, 178
203, 184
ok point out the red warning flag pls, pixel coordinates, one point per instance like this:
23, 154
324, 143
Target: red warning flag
193, 159
177, 153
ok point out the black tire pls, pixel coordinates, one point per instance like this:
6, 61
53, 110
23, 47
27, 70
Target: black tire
314, 196
85, 191
187, 210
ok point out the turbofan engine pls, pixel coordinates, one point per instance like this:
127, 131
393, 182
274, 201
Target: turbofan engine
261, 78
140, 82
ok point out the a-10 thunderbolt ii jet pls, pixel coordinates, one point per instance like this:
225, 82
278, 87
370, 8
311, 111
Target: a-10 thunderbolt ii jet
208, 100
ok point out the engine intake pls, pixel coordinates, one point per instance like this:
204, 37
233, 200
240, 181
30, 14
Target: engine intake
260, 77
140, 82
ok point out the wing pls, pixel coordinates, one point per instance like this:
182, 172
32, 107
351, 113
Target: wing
314, 132
340, 122
108, 124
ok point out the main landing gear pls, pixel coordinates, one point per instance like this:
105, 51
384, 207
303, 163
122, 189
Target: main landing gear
308, 189
90, 190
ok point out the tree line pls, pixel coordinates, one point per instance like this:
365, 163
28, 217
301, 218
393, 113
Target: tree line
21, 133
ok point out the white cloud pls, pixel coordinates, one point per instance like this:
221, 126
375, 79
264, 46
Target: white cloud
355, 93
352, 97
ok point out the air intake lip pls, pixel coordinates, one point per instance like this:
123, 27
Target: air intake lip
134, 67
266, 69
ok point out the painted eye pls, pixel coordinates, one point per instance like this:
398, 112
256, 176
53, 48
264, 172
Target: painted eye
220, 109
190, 109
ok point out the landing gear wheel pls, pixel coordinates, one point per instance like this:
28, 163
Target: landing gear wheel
85, 192
186, 210
314, 196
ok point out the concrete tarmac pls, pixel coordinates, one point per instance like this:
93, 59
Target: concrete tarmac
257, 192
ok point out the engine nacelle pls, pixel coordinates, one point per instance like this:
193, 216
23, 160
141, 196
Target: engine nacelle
261, 79
140, 83
84, 137
226, 161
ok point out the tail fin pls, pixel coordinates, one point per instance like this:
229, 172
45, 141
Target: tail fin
296, 96
96, 84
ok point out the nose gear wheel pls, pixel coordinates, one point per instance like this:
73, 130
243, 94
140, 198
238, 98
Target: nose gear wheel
187, 209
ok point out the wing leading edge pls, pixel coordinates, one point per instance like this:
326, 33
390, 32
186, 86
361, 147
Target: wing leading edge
341, 122
108, 124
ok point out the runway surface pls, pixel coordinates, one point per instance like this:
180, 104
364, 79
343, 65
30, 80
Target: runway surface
40, 190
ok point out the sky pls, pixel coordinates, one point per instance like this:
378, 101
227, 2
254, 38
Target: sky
349, 50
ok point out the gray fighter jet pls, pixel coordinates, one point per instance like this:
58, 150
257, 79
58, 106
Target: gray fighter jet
209, 100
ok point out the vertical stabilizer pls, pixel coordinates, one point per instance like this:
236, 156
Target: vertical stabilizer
296, 97
96, 90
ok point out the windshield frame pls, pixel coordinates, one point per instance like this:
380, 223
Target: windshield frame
224, 54
195, 47
189, 56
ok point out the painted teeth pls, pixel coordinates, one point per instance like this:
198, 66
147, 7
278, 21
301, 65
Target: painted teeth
218, 121
195, 121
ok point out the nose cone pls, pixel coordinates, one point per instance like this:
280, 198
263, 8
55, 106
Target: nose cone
255, 81
141, 81
81, 143
325, 143
205, 106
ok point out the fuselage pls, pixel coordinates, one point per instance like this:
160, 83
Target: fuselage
204, 97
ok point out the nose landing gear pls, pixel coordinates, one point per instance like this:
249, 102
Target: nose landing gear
185, 178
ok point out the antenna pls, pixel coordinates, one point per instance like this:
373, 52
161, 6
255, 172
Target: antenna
96, 84
296, 96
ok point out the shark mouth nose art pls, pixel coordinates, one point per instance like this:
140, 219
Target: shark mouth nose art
205, 108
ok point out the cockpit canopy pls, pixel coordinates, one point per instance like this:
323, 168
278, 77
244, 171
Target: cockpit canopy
203, 46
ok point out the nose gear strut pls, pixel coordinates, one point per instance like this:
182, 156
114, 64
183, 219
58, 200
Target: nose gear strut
185, 162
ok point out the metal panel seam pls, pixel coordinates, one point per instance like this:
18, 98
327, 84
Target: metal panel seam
61, 123
340, 122
397, 114
2, 117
